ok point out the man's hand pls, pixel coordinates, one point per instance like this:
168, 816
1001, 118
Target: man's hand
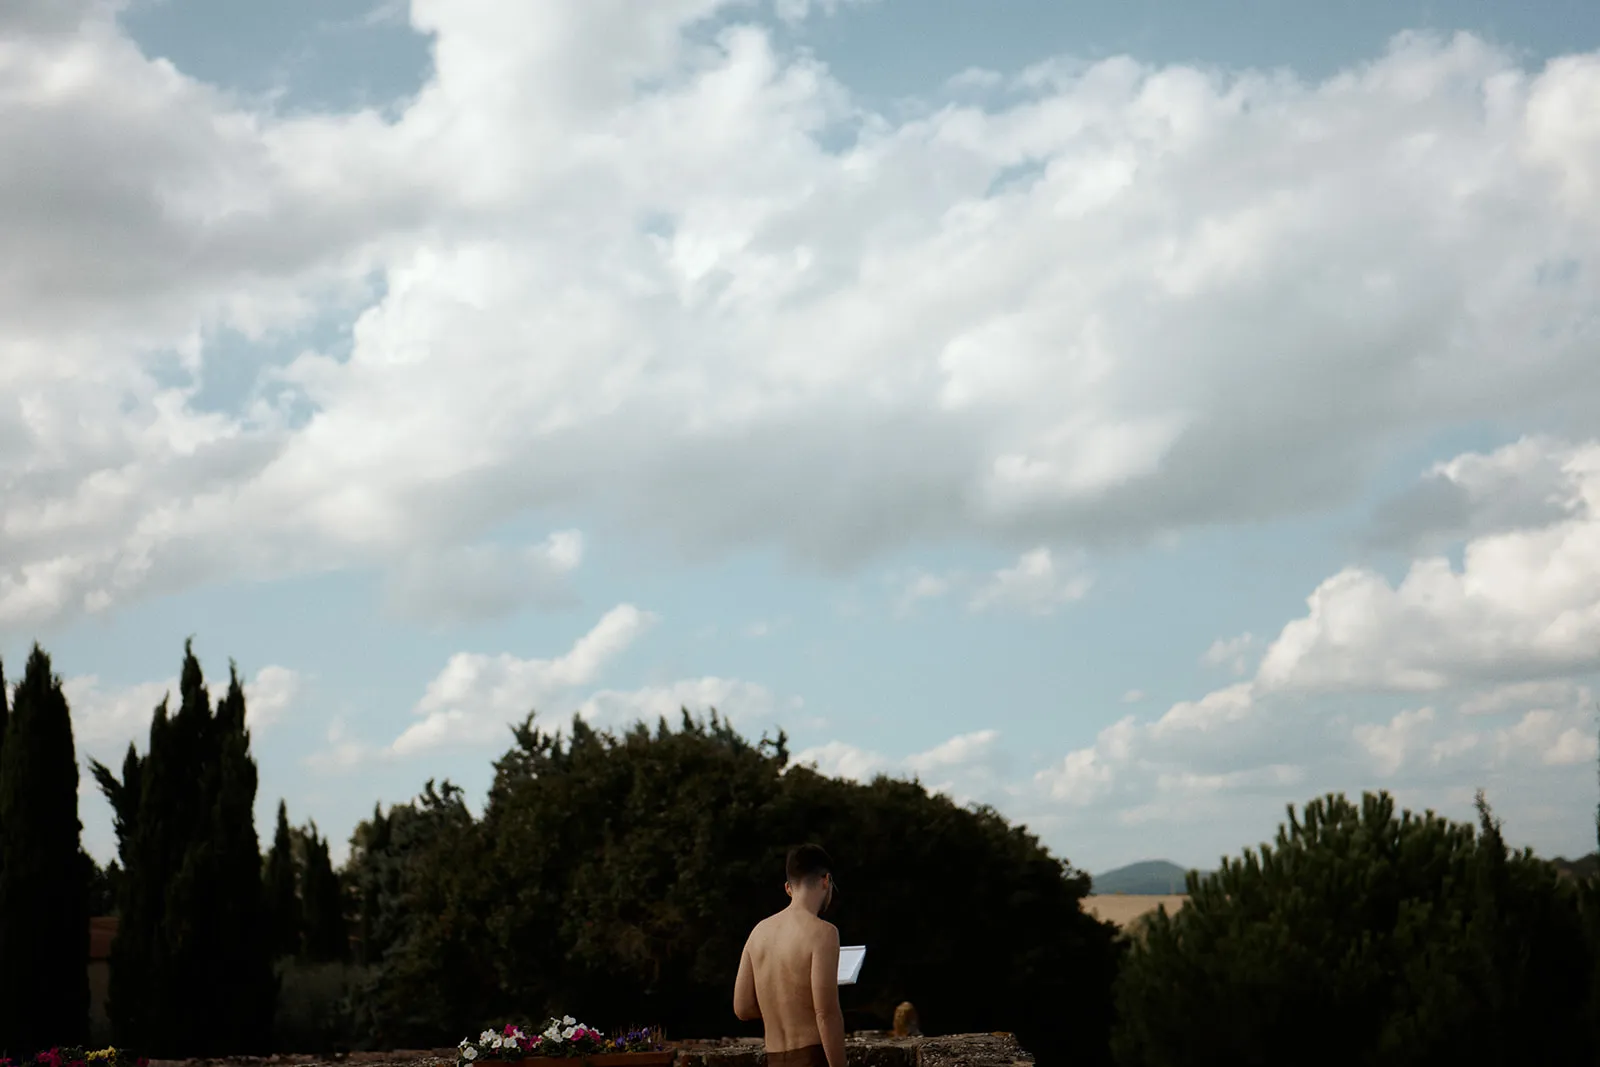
745, 1004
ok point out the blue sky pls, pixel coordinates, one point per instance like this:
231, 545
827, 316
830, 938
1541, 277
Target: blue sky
1134, 416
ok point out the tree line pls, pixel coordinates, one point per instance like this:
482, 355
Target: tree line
615, 874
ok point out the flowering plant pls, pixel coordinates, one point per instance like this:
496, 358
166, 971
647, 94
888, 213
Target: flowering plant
564, 1038
77, 1057
636, 1041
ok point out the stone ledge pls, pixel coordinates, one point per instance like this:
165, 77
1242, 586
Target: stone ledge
861, 1050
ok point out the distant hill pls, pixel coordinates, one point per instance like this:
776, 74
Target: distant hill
1150, 878
1161, 878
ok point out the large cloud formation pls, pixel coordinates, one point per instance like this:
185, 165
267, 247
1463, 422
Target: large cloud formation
637, 263
1492, 664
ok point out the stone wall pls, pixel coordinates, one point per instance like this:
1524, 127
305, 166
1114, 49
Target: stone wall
873, 1050
861, 1050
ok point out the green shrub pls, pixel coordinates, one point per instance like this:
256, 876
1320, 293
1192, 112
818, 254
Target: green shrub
617, 875
317, 1006
1364, 938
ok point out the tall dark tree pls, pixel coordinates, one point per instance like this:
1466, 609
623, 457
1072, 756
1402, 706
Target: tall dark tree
5, 716
327, 938
44, 920
246, 985
135, 954
192, 963
283, 888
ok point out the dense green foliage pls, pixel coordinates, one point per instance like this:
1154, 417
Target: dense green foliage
305, 896
616, 875
325, 934
44, 919
418, 869
622, 873
283, 889
1364, 937
191, 968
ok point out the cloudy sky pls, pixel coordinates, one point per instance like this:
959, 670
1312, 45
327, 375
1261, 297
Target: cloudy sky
1135, 416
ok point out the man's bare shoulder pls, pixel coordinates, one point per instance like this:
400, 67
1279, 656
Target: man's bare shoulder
824, 931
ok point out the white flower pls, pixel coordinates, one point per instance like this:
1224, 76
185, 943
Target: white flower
486, 1037
469, 1053
566, 1034
567, 1020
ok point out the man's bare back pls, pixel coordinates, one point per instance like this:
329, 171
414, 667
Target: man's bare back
789, 979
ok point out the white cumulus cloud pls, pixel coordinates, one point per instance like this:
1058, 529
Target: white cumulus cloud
1231, 652
605, 260
1506, 643
1525, 602
474, 698
1036, 585
471, 583
967, 767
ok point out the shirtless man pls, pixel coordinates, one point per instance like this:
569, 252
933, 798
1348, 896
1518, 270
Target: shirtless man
789, 973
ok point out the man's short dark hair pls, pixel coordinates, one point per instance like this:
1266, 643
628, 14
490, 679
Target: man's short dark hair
806, 863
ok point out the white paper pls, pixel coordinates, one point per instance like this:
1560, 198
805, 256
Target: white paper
850, 959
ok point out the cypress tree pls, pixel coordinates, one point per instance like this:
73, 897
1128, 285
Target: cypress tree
282, 888
217, 928
373, 877
129, 997
327, 939
191, 966
155, 804
5, 715
44, 921
247, 987
183, 775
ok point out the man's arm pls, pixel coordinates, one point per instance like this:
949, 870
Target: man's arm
745, 1005
825, 993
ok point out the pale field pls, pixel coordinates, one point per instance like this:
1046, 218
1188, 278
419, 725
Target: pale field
1123, 908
